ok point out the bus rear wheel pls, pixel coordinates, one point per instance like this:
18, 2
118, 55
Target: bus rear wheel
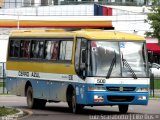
30, 99
123, 108
33, 102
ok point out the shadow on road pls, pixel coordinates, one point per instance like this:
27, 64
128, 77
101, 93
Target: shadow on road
48, 110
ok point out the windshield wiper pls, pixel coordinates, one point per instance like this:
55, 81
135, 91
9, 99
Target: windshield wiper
129, 67
111, 66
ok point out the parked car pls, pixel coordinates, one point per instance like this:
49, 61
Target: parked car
155, 69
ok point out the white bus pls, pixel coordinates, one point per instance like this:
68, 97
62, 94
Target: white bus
87, 67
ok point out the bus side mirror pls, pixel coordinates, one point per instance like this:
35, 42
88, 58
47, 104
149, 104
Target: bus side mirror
83, 63
149, 65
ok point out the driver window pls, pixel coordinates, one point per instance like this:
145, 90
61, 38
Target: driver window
80, 47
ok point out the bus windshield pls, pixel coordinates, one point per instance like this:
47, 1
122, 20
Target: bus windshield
118, 59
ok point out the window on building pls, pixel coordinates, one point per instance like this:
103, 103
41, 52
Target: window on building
14, 48
27, 3
51, 50
44, 2
66, 50
37, 49
47, 2
25, 49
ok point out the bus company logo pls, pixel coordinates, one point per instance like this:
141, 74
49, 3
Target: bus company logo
120, 89
28, 74
121, 82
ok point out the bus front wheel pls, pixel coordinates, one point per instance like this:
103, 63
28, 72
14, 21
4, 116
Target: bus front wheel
74, 106
123, 108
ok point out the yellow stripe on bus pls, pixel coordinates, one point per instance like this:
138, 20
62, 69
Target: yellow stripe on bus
59, 68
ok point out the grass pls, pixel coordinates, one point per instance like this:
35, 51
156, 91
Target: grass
5, 94
156, 84
1, 84
154, 97
7, 111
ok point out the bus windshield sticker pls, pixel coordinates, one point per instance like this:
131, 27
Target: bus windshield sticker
122, 45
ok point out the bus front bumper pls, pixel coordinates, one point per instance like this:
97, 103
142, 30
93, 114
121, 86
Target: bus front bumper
116, 98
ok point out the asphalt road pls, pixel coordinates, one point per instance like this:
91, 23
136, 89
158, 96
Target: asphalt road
60, 111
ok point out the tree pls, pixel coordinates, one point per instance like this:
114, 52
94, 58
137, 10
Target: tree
153, 18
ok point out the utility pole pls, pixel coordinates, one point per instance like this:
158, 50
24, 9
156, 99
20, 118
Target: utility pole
3, 78
15, 3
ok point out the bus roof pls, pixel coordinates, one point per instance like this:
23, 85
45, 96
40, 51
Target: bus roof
50, 33
103, 34
96, 34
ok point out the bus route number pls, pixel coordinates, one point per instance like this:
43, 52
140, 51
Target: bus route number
101, 81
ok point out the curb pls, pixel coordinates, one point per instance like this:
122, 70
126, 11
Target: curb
27, 112
14, 116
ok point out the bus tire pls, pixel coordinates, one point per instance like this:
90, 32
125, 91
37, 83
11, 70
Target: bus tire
123, 108
76, 108
31, 101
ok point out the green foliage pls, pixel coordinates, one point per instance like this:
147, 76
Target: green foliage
154, 97
7, 111
156, 84
153, 18
1, 84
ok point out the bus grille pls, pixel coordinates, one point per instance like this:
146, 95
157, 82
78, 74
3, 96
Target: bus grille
118, 88
120, 98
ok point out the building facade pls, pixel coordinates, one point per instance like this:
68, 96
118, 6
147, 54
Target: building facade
30, 3
25, 3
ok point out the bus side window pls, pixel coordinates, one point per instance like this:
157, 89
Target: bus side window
48, 50
33, 49
54, 51
51, 50
41, 49
66, 50
37, 49
14, 48
24, 48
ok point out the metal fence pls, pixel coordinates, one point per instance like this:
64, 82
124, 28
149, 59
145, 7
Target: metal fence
154, 82
2, 78
154, 86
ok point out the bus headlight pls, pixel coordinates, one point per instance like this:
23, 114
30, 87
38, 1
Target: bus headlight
96, 88
142, 90
142, 98
98, 98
